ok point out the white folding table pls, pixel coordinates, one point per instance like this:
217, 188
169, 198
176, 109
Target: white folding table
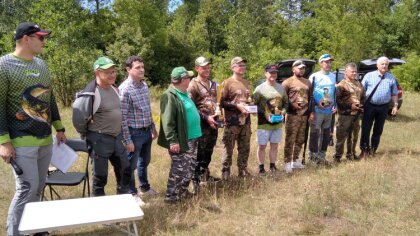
61, 214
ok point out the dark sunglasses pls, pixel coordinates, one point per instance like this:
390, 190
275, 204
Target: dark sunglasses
41, 38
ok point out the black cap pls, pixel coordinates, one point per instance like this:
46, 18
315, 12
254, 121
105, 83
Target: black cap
271, 68
28, 28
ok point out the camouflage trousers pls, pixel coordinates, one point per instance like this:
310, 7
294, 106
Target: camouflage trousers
242, 135
347, 129
182, 169
206, 144
295, 136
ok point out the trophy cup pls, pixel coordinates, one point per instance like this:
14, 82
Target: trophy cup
218, 115
250, 107
273, 108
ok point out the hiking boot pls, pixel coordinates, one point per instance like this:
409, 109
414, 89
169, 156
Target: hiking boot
262, 172
171, 199
288, 167
273, 169
337, 159
149, 193
225, 175
243, 173
297, 165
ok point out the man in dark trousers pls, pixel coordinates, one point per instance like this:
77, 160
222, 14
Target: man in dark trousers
376, 108
203, 92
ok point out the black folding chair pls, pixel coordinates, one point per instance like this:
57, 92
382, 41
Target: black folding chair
58, 178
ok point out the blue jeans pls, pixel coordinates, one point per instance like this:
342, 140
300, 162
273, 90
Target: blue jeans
142, 140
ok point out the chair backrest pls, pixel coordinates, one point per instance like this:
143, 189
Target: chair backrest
77, 145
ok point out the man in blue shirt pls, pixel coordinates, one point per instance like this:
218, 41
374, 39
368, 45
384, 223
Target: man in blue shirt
323, 91
376, 109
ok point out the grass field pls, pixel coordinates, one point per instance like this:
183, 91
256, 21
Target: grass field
378, 196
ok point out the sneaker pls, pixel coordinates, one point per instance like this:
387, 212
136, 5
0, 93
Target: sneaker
149, 192
138, 200
288, 167
262, 172
226, 175
297, 165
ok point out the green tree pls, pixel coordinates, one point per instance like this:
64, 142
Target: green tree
70, 50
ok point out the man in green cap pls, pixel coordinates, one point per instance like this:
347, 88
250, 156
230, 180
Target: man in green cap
99, 103
179, 133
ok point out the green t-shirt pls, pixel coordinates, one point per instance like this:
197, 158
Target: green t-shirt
191, 112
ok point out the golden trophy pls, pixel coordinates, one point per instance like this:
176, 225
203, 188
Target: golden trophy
218, 114
250, 107
273, 108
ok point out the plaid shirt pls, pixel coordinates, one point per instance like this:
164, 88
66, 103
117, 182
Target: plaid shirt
135, 107
385, 90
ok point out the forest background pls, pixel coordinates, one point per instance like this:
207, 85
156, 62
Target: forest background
170, 33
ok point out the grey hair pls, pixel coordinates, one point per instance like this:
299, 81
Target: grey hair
350, 65
383, 58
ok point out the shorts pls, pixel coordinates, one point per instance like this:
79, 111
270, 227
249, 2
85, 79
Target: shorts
265, 136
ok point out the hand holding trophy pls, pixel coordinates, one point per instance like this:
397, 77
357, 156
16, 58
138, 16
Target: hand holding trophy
274, 104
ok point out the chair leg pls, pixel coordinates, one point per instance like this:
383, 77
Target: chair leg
51, 192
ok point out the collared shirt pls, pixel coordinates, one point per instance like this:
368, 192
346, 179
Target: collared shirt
135, 107
385, 90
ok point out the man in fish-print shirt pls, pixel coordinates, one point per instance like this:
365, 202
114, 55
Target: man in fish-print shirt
28, 110
324, 87
350, 96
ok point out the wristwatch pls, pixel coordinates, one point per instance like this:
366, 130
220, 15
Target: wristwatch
396, 104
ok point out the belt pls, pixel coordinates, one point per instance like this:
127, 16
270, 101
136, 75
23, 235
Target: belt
148, 128
378, 105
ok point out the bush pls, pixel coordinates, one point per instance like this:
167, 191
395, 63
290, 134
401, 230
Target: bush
408, 74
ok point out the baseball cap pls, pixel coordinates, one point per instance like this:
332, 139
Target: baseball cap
103, 63
201, 61
236, 60
180, 72
299, 64
325, 57
271, 68
28, 28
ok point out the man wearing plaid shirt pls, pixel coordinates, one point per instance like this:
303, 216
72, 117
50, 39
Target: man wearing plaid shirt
137, 123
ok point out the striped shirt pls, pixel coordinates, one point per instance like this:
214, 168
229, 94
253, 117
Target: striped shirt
385, 90
135, 107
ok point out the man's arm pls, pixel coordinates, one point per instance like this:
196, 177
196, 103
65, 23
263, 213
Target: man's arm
125, 110
168, 119
7, 150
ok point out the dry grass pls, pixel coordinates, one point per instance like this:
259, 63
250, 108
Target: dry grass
379, 196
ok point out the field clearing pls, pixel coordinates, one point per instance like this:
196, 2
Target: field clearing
378, 196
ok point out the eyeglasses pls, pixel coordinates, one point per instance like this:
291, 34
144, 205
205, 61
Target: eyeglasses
109, 73
41, 38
